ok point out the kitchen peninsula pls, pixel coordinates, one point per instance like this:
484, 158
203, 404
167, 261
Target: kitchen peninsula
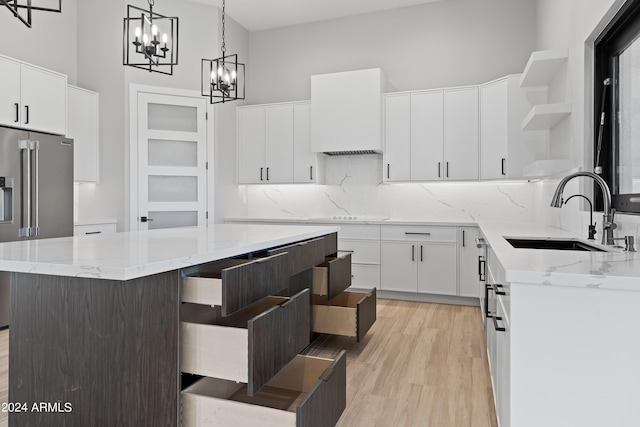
95, 329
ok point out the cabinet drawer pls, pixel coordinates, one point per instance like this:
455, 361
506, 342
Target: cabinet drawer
332, 277
81, 230
302, 255
365, 276
419, 233
250, 346
362, 251
349, 314
359, 232
308, 392
235, 283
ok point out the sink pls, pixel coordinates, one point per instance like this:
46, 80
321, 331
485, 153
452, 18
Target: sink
553, 244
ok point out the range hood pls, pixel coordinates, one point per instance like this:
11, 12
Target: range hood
346, 112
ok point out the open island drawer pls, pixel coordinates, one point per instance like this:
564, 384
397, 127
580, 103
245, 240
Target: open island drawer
250, 346
303, 255
308, 392
332, 277
233, 284
349, 314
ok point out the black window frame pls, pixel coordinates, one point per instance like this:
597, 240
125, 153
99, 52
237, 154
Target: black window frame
621, 32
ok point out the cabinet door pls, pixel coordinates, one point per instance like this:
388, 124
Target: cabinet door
503, 369
398, 265
427, 136
279, 144
9, 92
251, 145
437, 269
461, 134
468, 274
44, 100
397, 136
493, 130
304, 161
82, 127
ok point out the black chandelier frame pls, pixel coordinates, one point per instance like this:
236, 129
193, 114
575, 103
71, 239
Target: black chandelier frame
24, 7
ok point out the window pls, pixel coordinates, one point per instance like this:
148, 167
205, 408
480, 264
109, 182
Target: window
617, 107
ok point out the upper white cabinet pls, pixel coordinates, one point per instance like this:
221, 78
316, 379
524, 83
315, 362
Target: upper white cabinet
504, 152
32, 98
82, 127
273, 144
461, 134
397, 135
347, 111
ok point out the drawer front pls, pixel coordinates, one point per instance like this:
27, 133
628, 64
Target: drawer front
81, 230
359, 232
365, 276
250, 346
349, 314
308, 392
419, 233
332, 277
362, 251
330, 244
303, 255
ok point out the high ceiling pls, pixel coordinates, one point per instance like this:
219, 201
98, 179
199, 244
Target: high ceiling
256, 15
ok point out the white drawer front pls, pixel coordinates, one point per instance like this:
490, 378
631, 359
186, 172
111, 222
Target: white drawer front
365, 276
362, 251
359, 232
81, 230
419, 233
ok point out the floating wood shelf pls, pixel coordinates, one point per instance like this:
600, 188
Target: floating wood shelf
543, 168
542, 67
545, 116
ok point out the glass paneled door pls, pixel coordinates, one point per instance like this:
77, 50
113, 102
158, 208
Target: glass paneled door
172, 171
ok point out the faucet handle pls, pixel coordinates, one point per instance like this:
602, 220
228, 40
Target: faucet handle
628, 243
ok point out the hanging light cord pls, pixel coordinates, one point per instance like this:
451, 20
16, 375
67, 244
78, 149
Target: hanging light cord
223, 48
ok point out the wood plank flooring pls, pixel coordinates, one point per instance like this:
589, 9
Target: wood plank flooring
421, 364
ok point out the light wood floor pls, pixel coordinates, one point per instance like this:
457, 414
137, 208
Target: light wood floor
420, 365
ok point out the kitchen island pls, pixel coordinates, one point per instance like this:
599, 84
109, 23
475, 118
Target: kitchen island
95, 320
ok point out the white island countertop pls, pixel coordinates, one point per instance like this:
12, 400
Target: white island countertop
614, 269
130, 255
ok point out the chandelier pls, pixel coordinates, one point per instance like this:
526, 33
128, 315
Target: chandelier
222, 79
22, 9
150, 40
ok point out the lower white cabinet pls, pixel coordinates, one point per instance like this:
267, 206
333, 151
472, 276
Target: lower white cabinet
94, 227
399, 268
468, 256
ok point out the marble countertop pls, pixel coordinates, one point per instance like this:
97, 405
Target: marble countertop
129, 255
359, 221
614, 269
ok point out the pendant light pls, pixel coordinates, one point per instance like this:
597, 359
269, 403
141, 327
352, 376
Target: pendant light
222, 79
22, 9
150, 40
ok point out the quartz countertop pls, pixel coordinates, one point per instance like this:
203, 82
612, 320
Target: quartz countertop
129, 255
614, 269
359, 221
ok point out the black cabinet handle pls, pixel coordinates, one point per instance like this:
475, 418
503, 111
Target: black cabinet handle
496, 288
413, 252
26, 108
267, 174
495, 324
421, 255
503, 171
447, 169
93, 232
481, 268
487, 288
388, 170
17, 112
310, 173
261, 174
463, 238
439, 169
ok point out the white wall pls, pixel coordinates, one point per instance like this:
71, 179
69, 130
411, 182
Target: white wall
574, 24
449, 43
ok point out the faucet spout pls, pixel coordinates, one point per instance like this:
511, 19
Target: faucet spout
607, 224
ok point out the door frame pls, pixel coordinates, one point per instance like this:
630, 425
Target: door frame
131, 219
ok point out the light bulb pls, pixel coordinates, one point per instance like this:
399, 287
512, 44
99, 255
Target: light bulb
233, 75
165, 38
138, 32
145, 38
154, 30
213, 75
220, 71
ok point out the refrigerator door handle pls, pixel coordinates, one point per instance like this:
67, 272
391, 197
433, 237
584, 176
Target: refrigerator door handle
25, 148
36, 149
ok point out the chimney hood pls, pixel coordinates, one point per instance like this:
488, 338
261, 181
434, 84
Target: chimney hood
346, 112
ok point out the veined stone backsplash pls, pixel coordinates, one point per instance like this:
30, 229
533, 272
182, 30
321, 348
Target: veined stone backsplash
353, 187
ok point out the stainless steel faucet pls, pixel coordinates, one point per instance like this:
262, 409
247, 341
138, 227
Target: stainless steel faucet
607, 219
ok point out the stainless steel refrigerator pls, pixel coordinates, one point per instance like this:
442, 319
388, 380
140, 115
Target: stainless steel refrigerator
36, 192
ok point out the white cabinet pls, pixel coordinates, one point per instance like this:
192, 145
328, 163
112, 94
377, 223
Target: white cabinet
82, 127
461, 134
504, 152
35, 98
419, 259
414, 131
82, 228
468, 256
273, 144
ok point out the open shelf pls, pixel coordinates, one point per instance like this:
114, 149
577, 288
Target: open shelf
542, 66
545, 116
543, 168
